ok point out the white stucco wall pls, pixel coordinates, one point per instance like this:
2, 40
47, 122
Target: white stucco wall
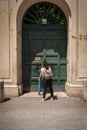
82, 61
4, 40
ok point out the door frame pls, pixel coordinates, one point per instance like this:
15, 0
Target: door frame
20, 13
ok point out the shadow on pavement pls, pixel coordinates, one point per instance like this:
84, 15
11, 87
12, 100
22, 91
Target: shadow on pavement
5, 100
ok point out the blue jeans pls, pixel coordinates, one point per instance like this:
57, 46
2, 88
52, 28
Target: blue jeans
41, 83
39, 86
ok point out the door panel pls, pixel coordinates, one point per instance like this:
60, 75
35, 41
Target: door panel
33, 47
50, 43
35, 39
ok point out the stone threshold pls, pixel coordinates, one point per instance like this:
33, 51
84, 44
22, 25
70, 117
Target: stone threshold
35, 94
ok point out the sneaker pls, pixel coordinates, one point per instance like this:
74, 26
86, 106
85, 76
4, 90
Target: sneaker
43, 99
52, 99
38, 93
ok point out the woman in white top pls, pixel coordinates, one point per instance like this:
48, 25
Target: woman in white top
42, 78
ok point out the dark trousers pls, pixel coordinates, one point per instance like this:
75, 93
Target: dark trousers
48, 83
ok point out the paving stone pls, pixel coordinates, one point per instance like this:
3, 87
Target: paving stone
30, 113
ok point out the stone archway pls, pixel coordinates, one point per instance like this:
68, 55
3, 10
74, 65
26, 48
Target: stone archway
21, 10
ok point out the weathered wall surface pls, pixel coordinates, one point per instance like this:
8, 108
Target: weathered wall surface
82, 61
4, 40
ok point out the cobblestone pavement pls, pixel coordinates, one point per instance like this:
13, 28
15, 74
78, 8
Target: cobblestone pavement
31, 113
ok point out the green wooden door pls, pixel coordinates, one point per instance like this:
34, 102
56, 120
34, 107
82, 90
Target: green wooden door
35, 39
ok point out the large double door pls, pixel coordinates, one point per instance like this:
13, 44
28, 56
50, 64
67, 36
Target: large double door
34, 40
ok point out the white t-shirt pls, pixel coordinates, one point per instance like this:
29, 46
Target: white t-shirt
44, 71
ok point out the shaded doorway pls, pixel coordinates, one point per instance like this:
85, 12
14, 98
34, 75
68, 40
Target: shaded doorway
44, 26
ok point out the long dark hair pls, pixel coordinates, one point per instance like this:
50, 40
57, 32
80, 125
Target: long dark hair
45, 64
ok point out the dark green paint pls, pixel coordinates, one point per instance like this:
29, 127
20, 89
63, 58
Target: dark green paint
54, 40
